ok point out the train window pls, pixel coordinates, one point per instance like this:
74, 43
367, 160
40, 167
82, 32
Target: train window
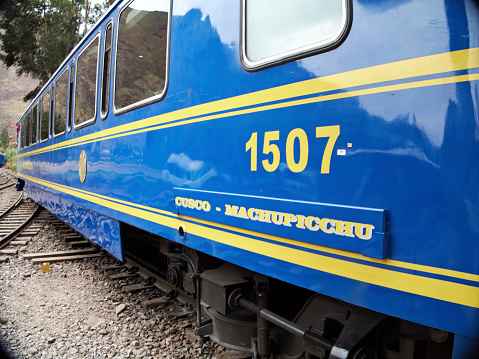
60, 112
105, 84
23, 129
273, 30
34, 124
86, 83
45, 117
70, 96
141, 57
27, 128
22, 132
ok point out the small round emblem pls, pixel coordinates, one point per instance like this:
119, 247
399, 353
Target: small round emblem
82, 166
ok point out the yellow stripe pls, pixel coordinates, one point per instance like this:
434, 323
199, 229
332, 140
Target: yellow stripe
428, 65
388, 262
424, 286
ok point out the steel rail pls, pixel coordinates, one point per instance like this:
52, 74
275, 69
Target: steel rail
9, 179
6, 186
11, 235
13, 206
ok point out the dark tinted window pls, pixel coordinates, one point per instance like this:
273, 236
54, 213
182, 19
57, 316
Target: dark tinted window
45, 117
28, 119
60, 114
105, 85
22, 131
34, 124
142, 49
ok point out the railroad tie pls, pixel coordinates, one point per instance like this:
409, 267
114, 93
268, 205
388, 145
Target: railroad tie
133, 288
60, 253
19, 243
77, 244
10, 252
64, 258
122, 275
73, 237
112, 267
154, 303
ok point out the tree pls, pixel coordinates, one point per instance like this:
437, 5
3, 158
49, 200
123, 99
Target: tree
38, 36
4, 138
98, 10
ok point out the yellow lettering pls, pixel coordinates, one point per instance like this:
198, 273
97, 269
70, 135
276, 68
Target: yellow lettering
242, 213
343, 228
191, 203
178, 201
253, 214
288, 218
326, 225
323, 225
277, 218
309, 223
303, 150
231, 210
300, 223
364, 231
264, 216
206, 206
348, 229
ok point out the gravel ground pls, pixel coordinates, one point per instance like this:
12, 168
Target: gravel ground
75, 311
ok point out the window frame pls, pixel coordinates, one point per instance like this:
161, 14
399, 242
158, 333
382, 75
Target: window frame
71, 95
37, 104
27, 118
110, 23
22, 131
152, 99
28, 125
55, 135
294, 54
91, 120
40, 117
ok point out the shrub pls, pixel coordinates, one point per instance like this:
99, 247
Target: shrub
10, 159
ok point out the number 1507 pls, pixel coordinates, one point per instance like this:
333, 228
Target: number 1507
298, 134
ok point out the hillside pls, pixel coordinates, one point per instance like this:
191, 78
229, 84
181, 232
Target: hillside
12, 91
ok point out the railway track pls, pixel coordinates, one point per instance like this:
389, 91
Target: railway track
6, 180
137, 305
134, 277
15, 215
20, 224
17, 228
16, 219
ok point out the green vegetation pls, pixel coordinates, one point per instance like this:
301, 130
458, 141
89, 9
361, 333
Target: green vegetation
10, 159
39, 34
4, 138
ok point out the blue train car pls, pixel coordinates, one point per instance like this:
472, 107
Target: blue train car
307, 170
2, 159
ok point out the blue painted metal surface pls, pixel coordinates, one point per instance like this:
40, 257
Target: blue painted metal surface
405, 161
102, 230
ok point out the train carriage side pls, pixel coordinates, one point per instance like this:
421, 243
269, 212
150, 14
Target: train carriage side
329, 146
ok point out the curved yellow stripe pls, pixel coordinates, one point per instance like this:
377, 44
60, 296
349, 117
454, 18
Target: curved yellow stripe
410, 283
422, 66
376, 90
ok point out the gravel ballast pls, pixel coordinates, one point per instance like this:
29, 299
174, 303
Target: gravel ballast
74, 310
